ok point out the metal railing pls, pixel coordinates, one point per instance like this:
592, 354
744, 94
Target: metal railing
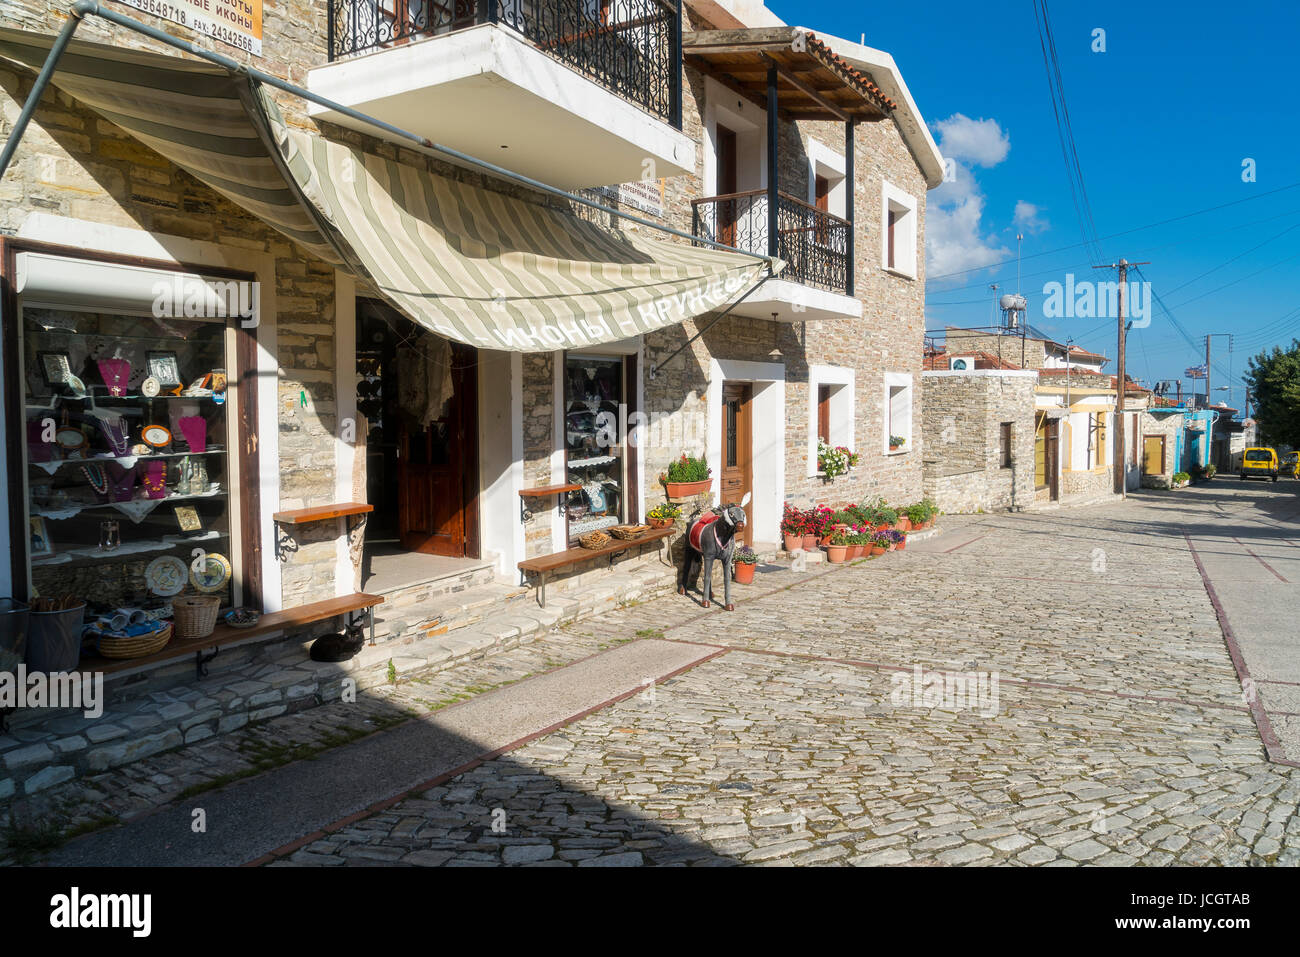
633, 48
813, 242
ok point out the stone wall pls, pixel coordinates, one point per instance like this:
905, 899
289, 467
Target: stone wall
1031, 354
962, 419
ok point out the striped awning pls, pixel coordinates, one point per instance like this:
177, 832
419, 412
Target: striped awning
475, 265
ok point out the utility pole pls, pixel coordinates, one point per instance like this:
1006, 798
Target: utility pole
1121, 393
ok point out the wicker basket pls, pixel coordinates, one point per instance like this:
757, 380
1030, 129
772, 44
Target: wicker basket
195, 615
596, 539
629, 532
136, 646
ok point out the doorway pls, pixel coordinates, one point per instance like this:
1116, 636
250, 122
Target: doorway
1153, 455
418, 396
728, 159
737, 477
1046, 471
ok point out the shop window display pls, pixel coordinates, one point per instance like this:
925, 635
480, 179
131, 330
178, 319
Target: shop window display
127, 468
594, 451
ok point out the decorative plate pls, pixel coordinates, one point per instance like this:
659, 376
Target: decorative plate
159, 436
210, 572
150, 387
165, 576
70, 439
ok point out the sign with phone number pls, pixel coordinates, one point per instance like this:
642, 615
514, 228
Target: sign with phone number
234, 22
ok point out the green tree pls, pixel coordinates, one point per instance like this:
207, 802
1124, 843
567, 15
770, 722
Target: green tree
1274, 380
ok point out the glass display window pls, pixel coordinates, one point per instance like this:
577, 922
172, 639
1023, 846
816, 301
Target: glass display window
594, 446
127, 458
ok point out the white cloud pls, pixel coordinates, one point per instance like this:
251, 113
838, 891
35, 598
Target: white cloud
954, 237
1028, 218
981, 142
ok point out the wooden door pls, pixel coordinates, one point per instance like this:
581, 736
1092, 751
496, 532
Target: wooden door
1153, 455
437, 500
728, 178
737, 450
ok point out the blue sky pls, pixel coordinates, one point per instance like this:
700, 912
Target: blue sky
1163, 120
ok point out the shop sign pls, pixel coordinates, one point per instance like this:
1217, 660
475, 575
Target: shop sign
234, 22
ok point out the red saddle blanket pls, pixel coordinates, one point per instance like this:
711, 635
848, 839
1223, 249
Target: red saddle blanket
698, 527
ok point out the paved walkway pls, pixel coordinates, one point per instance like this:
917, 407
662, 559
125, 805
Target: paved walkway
1098, 718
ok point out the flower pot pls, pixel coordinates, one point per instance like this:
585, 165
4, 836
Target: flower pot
855, 551
744, 573
904, 524
836, 553
874, 550
901, 545
793, 542
659, 522
809, 542
687, 489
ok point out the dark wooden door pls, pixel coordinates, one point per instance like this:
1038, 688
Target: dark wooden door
728, 178
437, 501
737, 450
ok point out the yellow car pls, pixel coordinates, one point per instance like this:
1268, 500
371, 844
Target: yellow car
1259, 463
1291, 464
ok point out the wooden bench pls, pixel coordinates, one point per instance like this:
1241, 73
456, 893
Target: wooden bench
543, 565
225, 635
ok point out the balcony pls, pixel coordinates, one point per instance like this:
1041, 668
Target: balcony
572, 92
813, 243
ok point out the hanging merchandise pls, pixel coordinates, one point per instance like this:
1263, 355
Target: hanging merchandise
155, 480
116, 374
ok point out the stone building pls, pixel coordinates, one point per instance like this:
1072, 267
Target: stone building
342, 433
979, 429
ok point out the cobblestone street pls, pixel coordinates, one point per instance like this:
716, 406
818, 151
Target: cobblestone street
1120, 733
1105, 722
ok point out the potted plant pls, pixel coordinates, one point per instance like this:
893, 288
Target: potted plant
843, 520
904, 523
832, 461
859, 541
895, 538
663, 514
743, 565
885, 518
896, 442
1210, 471
687, 476
901, 542
837, 548
879, 543
1180, 479
793, 525
819, 525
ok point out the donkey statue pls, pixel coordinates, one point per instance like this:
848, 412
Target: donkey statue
709, 536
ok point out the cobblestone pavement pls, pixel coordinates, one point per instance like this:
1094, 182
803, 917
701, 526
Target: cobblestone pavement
1116, 732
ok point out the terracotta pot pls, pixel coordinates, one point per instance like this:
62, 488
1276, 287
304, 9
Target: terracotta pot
855, 551
904, 524
836, 553
659, 522
809, 542
793, 542
876, 550
901, 545
687, 489
744, 573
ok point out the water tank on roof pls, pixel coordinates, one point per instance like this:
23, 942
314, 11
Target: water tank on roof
1013, 302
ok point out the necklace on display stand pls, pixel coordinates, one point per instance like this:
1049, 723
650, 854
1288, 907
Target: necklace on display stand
97, 478
116, 374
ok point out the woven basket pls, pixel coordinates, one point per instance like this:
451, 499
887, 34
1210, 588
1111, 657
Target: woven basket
195, 615
596, 539
136, 646
629, 532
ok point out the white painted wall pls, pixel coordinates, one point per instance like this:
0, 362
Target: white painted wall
501, 465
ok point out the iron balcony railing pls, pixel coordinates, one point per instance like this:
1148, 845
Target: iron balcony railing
813, 243
631, 47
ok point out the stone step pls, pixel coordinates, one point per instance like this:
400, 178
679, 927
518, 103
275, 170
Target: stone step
440, 586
